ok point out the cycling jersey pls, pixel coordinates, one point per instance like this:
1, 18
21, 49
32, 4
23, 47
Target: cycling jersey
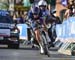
44, 13
36, 23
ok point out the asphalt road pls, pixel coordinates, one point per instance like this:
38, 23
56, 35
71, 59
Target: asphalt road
27, 53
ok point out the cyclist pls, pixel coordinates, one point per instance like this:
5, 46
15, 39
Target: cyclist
44, 13
35, 18
39, 14
43, 8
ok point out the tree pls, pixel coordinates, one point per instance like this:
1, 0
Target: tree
4, 6
31, 1
26, 3
51, 2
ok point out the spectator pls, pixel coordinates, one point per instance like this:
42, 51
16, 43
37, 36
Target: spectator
14, 18
20, 19
25, 16
69, 12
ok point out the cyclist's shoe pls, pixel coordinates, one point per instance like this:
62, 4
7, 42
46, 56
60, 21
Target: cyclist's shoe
41, 51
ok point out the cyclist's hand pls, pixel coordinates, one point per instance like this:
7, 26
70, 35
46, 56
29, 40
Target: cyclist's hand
45, 28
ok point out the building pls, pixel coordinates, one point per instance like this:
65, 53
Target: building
4, 1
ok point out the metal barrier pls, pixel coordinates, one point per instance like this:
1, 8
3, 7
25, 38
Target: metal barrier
23, 31
66, 35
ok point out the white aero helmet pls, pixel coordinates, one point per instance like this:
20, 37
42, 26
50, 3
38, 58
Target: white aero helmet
42, 2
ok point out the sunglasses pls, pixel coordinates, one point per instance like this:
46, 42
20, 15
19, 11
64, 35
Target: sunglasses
42, 6
35, 14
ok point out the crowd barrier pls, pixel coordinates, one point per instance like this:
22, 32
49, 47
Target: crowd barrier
23, 31
66, 29
66, 36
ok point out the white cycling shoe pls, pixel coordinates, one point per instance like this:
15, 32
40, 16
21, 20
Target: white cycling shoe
41, 51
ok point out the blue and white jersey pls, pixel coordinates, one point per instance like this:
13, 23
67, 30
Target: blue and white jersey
44, 13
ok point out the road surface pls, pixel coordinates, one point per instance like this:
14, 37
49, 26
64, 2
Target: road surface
27, 53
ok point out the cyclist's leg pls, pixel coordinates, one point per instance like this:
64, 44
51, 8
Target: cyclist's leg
37, 33
49, 40
47, 36
34, 43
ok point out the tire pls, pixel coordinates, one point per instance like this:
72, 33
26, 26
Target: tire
46, 51
13, 46
73, 53
16, 46
45, 45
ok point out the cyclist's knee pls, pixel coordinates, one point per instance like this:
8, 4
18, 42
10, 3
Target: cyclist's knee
37, 32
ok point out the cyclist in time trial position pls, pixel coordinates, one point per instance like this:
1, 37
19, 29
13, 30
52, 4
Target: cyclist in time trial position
38, 14
35, 17
44, 14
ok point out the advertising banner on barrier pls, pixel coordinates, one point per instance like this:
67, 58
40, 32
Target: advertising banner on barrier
23, 31
66, 29
72, 27
66, 36
59, 30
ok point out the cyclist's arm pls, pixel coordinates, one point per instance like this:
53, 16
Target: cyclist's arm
44, 23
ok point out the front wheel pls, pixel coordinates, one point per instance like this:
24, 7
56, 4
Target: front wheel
46, 51
45, 45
